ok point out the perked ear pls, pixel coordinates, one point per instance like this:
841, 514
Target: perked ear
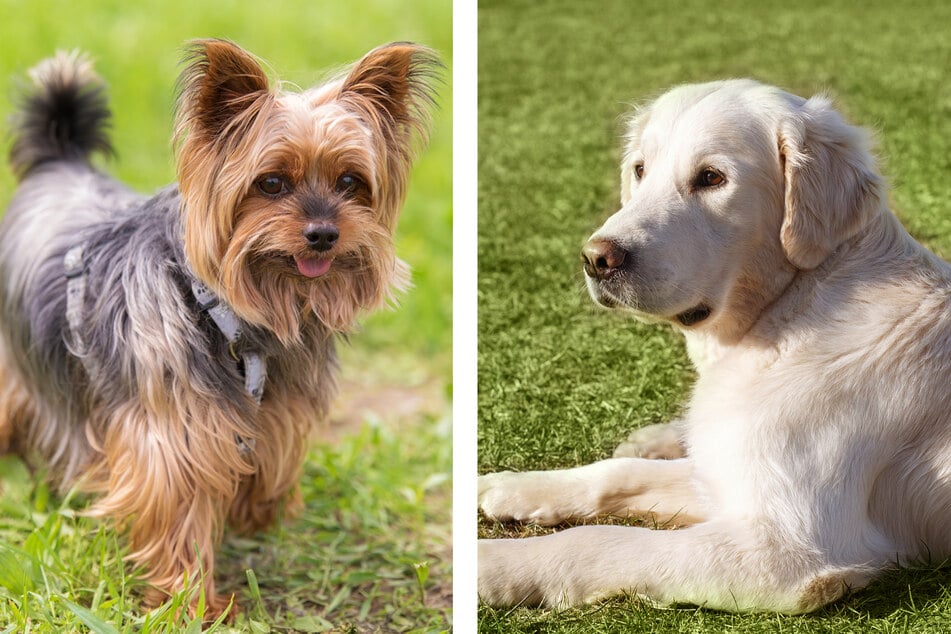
832, 187
220, 83
394, 85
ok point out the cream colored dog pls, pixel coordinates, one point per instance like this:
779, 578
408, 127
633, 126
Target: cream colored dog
817, 443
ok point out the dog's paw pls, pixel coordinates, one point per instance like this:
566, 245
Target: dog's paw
528, 572
505, 574
498, 496
522, 497
660, 441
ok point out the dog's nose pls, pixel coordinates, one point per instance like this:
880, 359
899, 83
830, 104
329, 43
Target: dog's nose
602, 257
320, 236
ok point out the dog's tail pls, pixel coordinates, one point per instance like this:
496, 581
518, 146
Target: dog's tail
63, 117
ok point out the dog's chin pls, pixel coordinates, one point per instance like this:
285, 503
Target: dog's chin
608, 301
690, 318
605, 301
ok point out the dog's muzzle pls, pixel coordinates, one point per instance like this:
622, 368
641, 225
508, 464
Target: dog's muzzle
604, 263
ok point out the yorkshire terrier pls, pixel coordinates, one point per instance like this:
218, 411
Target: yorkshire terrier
172, 353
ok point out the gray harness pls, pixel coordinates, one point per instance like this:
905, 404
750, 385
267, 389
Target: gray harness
252, 362
255, 367
74, 267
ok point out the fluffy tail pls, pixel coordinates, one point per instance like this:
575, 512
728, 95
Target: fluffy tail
64, 117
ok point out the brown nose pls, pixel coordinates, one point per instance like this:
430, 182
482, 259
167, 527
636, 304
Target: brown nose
602, 257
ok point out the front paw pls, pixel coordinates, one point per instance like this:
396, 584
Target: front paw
522, 497
493, 498
502, 582
527, 572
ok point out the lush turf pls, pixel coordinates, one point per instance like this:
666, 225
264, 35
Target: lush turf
561, 383
371, 550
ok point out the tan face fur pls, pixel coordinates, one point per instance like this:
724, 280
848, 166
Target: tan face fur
291, 199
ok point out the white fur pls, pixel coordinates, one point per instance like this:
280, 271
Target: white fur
818, 444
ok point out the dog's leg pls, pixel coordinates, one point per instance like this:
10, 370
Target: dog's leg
171, 481
659, 441
658, 489
720, 565
259, 503
273, 489
16, 409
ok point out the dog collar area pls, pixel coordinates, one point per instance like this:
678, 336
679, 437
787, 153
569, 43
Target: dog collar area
251, 364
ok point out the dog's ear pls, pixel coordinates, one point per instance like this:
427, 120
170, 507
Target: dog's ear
391, 89
394, 85
220, 83
831, 184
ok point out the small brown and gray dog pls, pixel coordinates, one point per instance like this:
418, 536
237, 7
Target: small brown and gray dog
172, 353
815, 452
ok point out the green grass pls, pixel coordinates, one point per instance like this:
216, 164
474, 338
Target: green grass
371, 550
374, 522
561, 383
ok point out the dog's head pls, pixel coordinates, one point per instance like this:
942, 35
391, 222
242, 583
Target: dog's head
291, 197
727, 189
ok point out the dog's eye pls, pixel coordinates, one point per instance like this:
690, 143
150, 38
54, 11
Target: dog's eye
639, 171
710, 178
349, 185
272, 185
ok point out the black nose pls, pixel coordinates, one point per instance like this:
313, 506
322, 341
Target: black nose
321, 237
601, 258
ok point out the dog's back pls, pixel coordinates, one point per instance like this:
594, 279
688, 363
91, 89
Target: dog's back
61, 123
62, 200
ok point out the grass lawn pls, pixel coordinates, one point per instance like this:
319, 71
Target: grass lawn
371, 550
561, 383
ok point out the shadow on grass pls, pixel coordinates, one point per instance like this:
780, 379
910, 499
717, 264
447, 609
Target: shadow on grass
904, 590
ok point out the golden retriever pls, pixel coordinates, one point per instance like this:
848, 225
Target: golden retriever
816, 448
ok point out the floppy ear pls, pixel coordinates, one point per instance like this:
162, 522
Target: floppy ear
831, 184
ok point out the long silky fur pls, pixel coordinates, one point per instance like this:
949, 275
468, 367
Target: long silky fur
150, 416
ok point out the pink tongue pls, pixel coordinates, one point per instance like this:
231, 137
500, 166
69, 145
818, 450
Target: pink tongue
313, 267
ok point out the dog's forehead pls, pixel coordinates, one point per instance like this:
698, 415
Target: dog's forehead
322, 93
302, 137
302, 116
716, 116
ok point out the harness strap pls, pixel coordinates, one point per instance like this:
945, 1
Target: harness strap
74, 267
253, 364
255, 368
